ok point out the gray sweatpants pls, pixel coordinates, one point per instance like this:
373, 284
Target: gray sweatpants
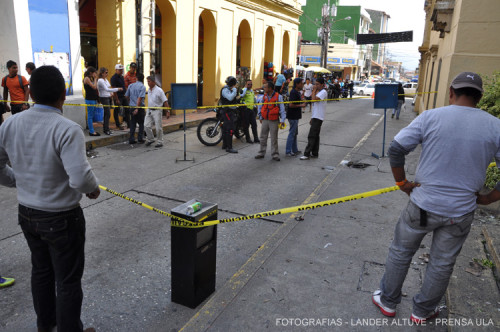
448, 236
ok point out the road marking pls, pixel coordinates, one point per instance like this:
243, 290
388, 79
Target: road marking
215, 306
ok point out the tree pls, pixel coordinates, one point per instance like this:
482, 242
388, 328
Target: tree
491, 97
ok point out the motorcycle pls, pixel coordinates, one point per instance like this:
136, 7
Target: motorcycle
209, 131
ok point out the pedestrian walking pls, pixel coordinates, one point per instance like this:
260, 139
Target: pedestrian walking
91, 97
401, 101
271, 115
50, 181
16, 86
156, 98
118, 81
105, 93
350, 86
443, 197
248, 113
131, 75
229, 96
318, 115
294, 114
136, 93
308, 89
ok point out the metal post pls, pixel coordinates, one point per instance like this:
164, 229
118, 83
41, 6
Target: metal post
383, 142
185, 147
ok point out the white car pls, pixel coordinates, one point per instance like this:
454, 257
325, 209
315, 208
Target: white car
410, 88
365, 89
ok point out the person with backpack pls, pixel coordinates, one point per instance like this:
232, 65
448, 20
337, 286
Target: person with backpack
270, 114
17, 86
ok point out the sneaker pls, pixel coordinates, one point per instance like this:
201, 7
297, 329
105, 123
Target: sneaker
276, 158
385, 310
290, 154
159, 145
259, 156
422, 320
108, 132
297, 152
231, 151
392, 116
6, 282
314, 156
141, 141
148, 143
95, 134
132, 142
304, 158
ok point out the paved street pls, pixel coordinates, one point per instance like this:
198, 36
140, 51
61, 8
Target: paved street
323, 267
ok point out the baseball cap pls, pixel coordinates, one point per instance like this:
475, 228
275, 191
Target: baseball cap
133, 64
118, 66
467, 79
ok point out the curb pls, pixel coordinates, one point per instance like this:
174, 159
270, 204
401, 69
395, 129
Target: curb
122, 137
492, 245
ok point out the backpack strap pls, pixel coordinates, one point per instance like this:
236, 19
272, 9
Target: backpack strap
20, 81
4, 82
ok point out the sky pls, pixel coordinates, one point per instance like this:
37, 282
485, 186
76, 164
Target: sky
405, 15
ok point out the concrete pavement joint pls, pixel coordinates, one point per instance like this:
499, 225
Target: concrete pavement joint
10, 236
214, 307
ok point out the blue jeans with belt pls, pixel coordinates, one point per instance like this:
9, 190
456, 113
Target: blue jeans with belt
56, 241
448, 236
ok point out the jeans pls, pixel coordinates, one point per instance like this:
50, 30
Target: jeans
291, 142
448, 236
397, 110
106, 102
313, 138
154, 117
56, 241
134, 120
90, 114
269, 128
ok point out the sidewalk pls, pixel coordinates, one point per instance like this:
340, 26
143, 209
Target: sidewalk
174, 123
319, 273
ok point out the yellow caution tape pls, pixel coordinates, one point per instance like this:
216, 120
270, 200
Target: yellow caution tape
180, 222
220, 106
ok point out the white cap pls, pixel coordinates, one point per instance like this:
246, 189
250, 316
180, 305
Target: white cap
119, 66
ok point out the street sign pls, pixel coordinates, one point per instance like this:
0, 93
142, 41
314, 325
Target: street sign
184, 96
386, 96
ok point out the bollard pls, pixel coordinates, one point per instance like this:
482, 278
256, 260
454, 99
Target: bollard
193, 256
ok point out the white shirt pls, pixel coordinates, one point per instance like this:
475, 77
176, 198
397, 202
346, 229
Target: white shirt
104, 88
156, 97
308, 90
319, 107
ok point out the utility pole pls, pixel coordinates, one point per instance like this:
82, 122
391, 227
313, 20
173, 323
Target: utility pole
325, 33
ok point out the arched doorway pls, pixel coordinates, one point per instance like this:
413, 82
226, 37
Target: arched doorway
244, 46
207, 44
166, 43
285, 58
269, 54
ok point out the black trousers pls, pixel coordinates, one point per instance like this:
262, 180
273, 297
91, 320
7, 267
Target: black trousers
228, 128
312, 147
106, 102
124, 110
137, 119
16, 108
56, 241
248, 120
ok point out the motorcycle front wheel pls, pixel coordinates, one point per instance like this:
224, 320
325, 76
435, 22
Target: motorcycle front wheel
210, 132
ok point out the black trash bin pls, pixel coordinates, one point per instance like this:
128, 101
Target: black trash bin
193, 256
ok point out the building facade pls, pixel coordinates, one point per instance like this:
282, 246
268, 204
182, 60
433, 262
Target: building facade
459, 36
184, 41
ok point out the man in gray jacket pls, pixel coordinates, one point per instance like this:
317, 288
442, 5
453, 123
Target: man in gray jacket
51, 172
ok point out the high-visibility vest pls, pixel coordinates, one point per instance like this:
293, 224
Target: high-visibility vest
270, 111
249, 98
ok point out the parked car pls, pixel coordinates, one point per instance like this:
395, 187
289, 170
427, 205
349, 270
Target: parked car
357, 88
410, 88
365, 89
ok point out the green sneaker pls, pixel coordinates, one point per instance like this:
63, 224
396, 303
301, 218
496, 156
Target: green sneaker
6, 282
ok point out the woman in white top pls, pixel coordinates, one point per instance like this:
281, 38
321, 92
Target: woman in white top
105, 92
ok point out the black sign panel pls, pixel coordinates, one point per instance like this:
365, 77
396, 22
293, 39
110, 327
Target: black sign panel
381, 38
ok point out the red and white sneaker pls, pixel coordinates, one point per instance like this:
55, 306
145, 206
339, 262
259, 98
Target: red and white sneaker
422, 320
385, 310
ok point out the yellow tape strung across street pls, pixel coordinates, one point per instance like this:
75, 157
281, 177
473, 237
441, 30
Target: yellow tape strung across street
179, 222
220, 106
